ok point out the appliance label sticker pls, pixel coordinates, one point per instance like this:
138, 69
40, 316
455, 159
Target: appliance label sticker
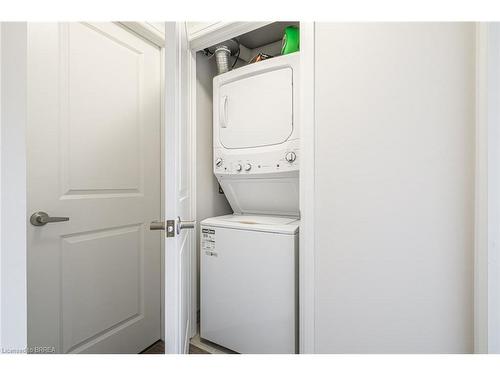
208, 242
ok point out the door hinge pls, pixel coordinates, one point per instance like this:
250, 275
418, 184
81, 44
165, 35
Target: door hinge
170, 228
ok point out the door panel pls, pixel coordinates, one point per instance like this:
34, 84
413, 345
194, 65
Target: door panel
110, 73
94, 107
113, 295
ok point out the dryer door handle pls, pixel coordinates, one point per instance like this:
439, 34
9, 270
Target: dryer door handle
223, 112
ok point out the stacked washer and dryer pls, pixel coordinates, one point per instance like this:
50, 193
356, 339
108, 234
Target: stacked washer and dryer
249, 260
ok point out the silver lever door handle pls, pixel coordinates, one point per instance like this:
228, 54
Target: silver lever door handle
184, 224
41, 218
157, 225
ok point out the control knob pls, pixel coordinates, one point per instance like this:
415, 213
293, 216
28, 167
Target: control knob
238, 168
248, 166
218, 162
290, 157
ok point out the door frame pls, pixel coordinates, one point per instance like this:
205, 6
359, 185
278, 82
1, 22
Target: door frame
307, 303
487, 190
13, 195
206, 36
13, 251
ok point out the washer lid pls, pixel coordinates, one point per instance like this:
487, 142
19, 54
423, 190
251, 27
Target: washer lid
272, 194
271, 224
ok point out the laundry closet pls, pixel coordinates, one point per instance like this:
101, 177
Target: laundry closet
247, 190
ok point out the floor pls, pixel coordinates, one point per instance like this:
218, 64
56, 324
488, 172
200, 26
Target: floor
159, 348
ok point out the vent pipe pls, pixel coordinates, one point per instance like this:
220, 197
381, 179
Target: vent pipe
222, 54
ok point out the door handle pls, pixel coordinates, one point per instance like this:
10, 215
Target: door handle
41, 218
157, 225
223, 113
169, 226
184, 224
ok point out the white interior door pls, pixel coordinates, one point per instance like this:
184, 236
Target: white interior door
94, 116
179, 250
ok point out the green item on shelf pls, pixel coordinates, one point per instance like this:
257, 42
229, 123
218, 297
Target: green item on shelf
290, 40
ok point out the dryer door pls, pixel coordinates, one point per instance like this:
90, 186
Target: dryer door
257, 110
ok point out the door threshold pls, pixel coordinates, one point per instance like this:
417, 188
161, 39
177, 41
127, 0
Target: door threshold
208, 346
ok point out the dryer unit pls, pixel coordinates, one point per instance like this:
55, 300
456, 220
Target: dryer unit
256, 136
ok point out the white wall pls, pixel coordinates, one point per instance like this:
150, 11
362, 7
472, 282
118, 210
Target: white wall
273, 49
209, 202
13, 186
394, 175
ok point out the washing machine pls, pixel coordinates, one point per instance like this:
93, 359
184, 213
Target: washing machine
249, 259
248, 298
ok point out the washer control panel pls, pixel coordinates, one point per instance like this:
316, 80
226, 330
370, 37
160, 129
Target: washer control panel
256, 163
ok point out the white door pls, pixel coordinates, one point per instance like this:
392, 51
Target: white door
179, 250
94, 116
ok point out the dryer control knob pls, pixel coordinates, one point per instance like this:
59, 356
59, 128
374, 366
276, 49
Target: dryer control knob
290, 157
238, 167
218, 162
248, 166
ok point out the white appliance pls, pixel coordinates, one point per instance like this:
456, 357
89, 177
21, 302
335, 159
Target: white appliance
256, 136
249, 259
249, 284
